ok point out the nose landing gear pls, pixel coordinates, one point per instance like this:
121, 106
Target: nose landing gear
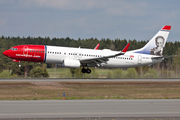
88, 71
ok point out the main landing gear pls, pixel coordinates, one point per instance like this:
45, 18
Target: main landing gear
88, 71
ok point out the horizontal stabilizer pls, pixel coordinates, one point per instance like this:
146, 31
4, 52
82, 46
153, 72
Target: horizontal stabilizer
163, 57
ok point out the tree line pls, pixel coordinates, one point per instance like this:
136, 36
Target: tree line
27, 69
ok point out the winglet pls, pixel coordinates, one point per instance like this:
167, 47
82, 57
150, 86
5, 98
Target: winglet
97, 46
126, 48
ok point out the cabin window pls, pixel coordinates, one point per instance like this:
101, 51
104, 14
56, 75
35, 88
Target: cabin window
13, 48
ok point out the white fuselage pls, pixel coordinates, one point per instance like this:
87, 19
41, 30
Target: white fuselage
58, 54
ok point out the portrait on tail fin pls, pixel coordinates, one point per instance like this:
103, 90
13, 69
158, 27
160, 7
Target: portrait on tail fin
158, 50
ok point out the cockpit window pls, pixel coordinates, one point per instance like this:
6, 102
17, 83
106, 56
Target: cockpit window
14, 49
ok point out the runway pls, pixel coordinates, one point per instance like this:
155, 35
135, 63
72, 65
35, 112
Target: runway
87, 109
169, 108
90, 80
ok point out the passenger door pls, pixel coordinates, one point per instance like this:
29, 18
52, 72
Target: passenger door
139, 59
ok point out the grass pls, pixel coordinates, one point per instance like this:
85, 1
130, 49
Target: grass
63, 72
57, 72
89, 90
5, 74
102, 72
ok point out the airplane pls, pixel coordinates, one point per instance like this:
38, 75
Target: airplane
76, 57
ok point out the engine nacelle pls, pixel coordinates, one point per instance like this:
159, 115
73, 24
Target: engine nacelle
71, 63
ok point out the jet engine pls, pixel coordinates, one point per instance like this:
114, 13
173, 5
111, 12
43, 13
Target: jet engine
71, 63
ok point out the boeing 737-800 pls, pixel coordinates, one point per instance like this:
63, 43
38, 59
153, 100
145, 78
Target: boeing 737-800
75, 57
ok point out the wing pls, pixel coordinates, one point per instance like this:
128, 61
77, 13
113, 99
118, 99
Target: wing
97, 46
98, 60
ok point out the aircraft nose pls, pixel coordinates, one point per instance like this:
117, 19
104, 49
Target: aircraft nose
6, 53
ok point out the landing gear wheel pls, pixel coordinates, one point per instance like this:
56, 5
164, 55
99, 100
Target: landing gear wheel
88, 71
84, 70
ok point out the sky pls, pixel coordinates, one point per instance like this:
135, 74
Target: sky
122, 19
